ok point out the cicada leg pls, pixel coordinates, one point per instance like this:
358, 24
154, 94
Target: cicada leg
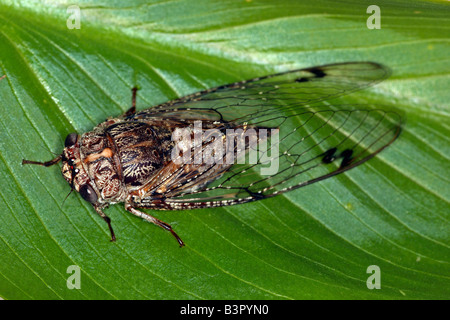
44, 164
132, 110
153, 220
108, 221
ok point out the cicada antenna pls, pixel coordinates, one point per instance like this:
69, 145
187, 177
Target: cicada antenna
66, 197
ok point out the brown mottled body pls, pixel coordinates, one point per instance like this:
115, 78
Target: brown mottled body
128, 159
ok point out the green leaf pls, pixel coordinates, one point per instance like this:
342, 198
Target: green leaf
315, 242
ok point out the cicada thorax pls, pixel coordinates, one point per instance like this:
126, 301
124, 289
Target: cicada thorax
143, 148
123, 156
100, 159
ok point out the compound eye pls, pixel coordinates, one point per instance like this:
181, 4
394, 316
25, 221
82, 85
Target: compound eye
71, 139
88, 193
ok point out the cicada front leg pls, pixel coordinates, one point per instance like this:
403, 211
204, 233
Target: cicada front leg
154, 220
108, 221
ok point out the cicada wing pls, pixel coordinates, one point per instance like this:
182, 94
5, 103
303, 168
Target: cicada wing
252, 100
316, 145
307, 139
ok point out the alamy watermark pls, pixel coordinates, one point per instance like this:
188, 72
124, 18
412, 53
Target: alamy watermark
374, 280
74, 20
193, 145
74, 280
374, 21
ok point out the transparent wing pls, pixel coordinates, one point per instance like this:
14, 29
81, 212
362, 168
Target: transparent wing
306, 141
252, 100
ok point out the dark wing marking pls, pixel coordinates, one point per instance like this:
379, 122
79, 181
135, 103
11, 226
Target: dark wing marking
316, 140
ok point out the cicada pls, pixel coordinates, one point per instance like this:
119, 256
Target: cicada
232, 144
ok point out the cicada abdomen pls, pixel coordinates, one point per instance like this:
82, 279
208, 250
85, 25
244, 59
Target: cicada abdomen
232, 144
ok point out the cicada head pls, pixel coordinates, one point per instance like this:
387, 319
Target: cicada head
74, 172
